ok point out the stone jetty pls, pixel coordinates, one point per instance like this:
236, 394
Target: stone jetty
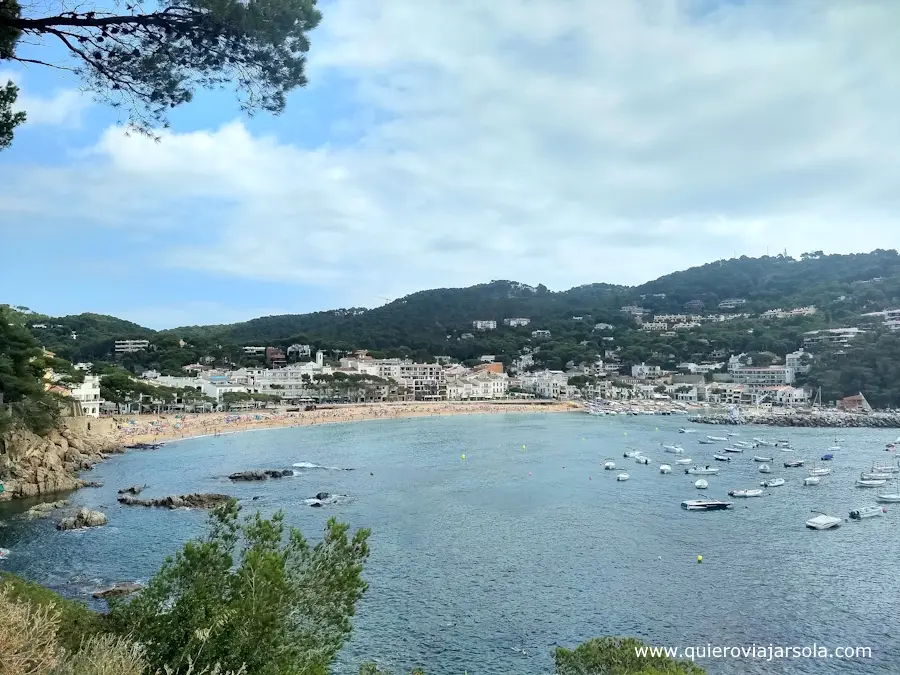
826, 420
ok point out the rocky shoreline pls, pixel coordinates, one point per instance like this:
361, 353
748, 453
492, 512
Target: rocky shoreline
819, 420
32, 465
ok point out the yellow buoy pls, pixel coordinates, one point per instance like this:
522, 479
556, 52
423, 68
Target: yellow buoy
699, 558
464, 456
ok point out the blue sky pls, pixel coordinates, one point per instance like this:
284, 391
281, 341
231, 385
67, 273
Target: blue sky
446, 144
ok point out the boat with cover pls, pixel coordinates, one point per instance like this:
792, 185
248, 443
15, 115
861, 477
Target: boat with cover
793, 464
755, 492
701, 484
827, 457
683, 460
622, 477
640, 459
765, 468
609, 465
823, 522
772, 482
631, 453
812, 480
674, 449
721, 458
717, 438
760, 458
665, 468
870, 483
701, 471
706, 505
867, 512
876, 475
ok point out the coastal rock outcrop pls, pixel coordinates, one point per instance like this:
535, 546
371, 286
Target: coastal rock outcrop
261, 474
133, 490
84, 518
325, 498
32, 465
126, 588
199, 500
43, 510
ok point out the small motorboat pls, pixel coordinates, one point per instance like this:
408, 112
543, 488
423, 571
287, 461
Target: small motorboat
827, 457
701, 484
721, 458
705, 505
717, 438
687, 431
640, 459
870, 483
773, 482
701, 471
674, 449
683, 460
867, 512
609, 465
876, 475
889, 498
819, 471
705, 441
729, 449
760, 458
665, 468
834, 448
755, 492
793, 464
761, 441
823, 522
812, 480
765, 468
741, 444
631, 453
622, 477
732, 433
886, 469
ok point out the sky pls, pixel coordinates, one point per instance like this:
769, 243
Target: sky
445, 144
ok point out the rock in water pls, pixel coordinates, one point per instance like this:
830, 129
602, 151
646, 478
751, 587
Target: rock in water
133, 490
118, 590
322, 496
248, 475
199, 500
84, 518
43, 510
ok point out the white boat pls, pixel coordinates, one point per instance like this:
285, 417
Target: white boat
787, 449
760, 441
812, 480
683, 460
819, 471
705, 441
760, 458
705, 505
640, 459
876, 475
631, 453
866, 512
765, 468
622, 476
889, 498
794, 464
687, 431
733, 449
717, 438
732, 433
722, 458
773, 482
886, 469
701, 484
674, 449
665, 468
701, 471
755, 492
741, 444
823, 522
609, 465
834, 448
863, 483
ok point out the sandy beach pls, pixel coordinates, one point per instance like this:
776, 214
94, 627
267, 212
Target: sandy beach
132, 429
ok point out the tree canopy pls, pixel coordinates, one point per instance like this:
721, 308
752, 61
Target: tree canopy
149, 61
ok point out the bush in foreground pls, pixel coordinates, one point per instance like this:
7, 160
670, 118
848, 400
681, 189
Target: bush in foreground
618, 656
251, 595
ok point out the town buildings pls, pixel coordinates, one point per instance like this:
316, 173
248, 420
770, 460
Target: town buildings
484, 325
515, 323
130, 346
87, 393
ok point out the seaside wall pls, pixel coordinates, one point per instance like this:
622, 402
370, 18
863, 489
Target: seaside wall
33, 465
827, 420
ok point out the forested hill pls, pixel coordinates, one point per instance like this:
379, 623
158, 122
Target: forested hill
839, 285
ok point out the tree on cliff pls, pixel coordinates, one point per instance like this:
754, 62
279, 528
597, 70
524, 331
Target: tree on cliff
23, 363
147, 61
250, 595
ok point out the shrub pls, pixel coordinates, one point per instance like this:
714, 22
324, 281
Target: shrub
27, 636
104, 655
251, 595
618, 656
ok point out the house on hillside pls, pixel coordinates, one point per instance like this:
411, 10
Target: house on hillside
856, 404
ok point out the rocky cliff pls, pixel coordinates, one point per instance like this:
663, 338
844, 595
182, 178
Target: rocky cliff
33, 465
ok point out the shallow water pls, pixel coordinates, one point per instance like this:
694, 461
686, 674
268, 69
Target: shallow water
483, 564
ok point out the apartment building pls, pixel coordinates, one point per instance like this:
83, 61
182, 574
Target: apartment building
655, 326
758, 378
484, 325
87, 394
545, 384
645, 372
732, 303
831, 336
540, 334
515, 323
130, 346
483, 386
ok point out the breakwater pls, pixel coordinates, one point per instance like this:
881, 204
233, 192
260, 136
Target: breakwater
818, 420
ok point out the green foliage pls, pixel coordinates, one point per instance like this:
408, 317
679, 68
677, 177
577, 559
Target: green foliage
76, 623
250, 594
152, 60
870, 364
9, 118
617, 656
373, 669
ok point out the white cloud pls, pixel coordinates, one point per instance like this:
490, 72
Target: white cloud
554, 141
63, 107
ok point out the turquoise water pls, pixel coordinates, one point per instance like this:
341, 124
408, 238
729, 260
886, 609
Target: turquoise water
484, 564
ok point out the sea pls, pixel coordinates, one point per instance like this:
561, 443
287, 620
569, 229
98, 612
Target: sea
496, 538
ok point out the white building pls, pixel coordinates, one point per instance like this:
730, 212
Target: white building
545, 384
540, 334
769, 376
655, 326
484, 325
831, 336
484, 386
732, 303
645, 372
603, 326
299, 351
515, 323
254, 350
130, 346
87, 393
487, 358
634, 310
796, 361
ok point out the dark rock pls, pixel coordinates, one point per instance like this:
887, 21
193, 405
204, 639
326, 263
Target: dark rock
84, 518
133, 490
199, 500
316, 505
322, 496
278, 473
117, 591
248, 475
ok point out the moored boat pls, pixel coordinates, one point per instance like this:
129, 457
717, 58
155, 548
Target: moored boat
622, 477
665, 468
793, 464
765, 468
866, 512
683, 460
812, 480
876, 475
717, 438
640, 459
701, 471
827, 457
760, 458
773, 482
819, 471
609, 465
701, 484
864, 483
730, 449
705, 505
755, 492
721, 458
823, 522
